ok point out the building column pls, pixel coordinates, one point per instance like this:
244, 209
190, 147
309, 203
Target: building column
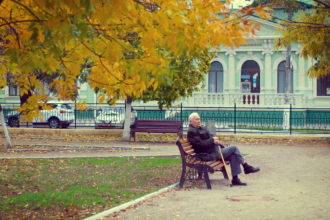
309, 80
301, 73
231, 70
268, 70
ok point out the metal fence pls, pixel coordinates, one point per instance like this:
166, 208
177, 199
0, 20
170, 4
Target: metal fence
227, 119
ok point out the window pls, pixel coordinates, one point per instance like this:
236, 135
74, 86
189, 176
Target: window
281, 78
46, 88
323, 85
216, 78
250, 77
13, 90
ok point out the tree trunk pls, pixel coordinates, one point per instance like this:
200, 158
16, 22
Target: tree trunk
288, 69
4, 128
127, 124
25, 97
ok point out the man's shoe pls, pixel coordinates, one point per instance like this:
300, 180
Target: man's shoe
251, 169
238, 182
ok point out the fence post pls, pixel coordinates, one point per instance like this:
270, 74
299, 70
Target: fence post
181, 111
235, 118
75, 114
290, 118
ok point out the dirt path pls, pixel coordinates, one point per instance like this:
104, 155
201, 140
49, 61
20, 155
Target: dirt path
296, 177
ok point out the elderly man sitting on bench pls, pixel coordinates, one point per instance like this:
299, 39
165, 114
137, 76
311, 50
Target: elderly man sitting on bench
204, 142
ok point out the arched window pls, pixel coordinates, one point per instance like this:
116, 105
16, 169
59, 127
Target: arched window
323, 85
216, 78
281, 78
250, 77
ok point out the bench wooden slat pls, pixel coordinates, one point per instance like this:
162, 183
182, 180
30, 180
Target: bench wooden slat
150, 122
184, 141
157, 126
188, 148
190, 151
213, 163
156, 130
186, 144
218, 167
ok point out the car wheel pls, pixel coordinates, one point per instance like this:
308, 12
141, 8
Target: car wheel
53, 123
13, 122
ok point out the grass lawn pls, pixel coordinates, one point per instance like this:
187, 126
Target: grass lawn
76, 188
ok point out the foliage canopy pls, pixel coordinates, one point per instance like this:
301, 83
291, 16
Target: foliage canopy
130, 42
311, 30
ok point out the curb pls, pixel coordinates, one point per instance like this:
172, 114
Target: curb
119, 132
35, 131
68, 147
112, 156
127, 204
43, 138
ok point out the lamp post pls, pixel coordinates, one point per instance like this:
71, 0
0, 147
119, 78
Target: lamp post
286, 109
287, 82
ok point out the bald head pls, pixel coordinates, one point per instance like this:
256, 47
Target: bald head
195, 120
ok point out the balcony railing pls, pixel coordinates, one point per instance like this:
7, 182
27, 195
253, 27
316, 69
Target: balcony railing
241, 100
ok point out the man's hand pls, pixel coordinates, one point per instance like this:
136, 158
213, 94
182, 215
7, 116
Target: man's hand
216, 140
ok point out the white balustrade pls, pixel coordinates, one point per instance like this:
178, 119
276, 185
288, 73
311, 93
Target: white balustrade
244, 99
241, 100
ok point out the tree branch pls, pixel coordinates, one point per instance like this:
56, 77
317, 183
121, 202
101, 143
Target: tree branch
148, 6
24, 6
322, 3
23, 21
13, 29
307, 23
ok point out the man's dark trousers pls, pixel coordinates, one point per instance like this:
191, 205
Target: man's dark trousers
234, 156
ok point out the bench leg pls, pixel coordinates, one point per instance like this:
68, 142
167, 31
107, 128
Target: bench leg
207, 180
132, 135
200, 175
183, 175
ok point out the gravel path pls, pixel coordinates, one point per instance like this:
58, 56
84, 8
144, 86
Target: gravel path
296, 177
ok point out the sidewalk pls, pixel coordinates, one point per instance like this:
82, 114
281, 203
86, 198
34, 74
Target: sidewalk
292, 175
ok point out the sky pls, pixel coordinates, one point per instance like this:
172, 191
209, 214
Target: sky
237, 3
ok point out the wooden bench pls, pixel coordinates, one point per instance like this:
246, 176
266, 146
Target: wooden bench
196, 166
157, 126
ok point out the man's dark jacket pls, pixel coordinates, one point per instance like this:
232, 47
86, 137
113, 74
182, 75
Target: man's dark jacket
201, 140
